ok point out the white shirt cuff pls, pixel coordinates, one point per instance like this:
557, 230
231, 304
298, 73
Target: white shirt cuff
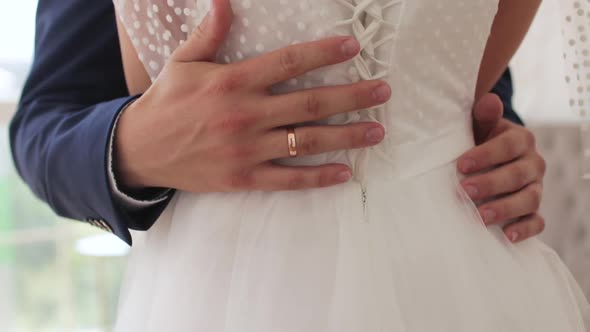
124, 199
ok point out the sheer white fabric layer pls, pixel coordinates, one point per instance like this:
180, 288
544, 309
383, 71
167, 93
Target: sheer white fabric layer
576, 31
402, 248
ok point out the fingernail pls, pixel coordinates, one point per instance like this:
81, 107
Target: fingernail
488, 216
375, 135
513, 236
467, 165
471, 191
343, 176
350, 47
382, 92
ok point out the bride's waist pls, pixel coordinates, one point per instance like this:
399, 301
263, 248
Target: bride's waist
393, 158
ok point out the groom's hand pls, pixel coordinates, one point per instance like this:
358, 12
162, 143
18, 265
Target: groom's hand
207, 127
506, 170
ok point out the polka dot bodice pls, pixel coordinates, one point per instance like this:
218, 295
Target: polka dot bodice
576, 24
429, 51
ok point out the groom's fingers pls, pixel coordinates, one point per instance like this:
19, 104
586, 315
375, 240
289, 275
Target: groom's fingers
486, 115
206, 39
296, 60
517, 205
272, 177
525, 228
506, 179
507, 146
313, 140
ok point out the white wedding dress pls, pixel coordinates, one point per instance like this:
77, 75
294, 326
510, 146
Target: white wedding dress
399, 249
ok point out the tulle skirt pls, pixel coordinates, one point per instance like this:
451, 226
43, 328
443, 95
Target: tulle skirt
415, 258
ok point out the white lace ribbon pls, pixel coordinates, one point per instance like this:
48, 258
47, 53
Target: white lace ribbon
371, 29
576, 33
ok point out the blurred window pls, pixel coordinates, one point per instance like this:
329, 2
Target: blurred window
541, 94
55, 274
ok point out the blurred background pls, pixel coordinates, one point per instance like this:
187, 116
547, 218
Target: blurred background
57, 275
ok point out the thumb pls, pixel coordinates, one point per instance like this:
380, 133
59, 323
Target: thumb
206, 39
486, 116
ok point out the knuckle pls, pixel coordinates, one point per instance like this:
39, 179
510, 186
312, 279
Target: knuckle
226, 82
199, 32
312, 105
239, 153
296, 181
355, 137
536, 195
289, 61
529, 138
308, 143
542, 224
240, 180
542, 164
486, 186
511, 146
481, 155
359, 97
502, 209
519, 175
235, 122
499, 208
323, 179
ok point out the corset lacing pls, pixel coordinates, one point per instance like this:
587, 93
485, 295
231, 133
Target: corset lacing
367, 23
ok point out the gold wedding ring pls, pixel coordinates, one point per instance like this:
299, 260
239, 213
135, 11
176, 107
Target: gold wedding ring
292, 142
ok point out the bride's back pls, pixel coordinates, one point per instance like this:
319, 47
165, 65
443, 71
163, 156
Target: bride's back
429, 52
404, 249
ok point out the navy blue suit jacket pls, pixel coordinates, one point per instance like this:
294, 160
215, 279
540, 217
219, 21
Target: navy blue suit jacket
75, 90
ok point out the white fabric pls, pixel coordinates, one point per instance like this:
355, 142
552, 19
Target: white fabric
122, 198
576, 30
402, 248
565, 198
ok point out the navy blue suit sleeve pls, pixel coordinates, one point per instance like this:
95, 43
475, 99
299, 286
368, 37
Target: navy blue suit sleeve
74, 92
505, 91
